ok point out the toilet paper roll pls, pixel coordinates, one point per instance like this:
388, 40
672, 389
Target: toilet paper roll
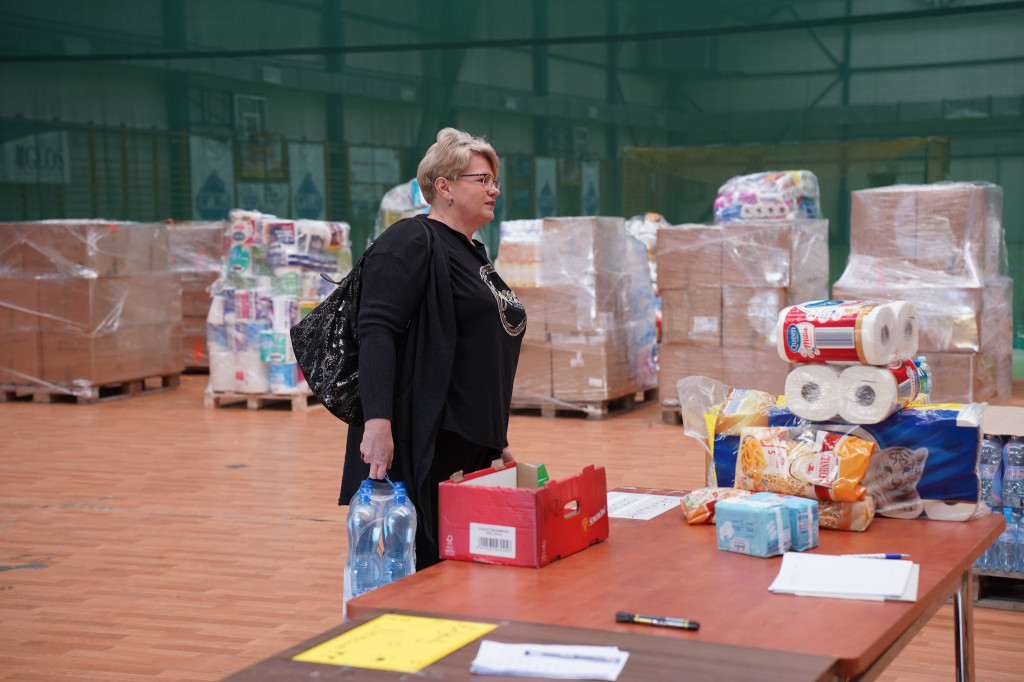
251, 373
215, 315
868, 395
285, 313
951, 511
837, 331
906, 329
812, 392
283, 378
222, 372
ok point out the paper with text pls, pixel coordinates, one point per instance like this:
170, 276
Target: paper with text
396, 642
639, 505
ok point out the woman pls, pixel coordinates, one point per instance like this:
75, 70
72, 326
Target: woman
439, 338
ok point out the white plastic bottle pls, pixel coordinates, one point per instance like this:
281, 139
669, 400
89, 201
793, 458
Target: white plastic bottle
399, 537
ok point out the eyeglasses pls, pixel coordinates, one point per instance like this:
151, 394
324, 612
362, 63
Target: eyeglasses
487, 181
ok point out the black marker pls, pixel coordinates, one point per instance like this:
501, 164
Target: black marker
681, 623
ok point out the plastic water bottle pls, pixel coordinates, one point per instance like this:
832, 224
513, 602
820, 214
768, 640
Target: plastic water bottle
1002, 557
986, 561
399, 536
1015, 562
924, 372
990, 471
363, 570
1013, 473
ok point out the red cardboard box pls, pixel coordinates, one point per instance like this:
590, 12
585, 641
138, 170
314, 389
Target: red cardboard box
500, 516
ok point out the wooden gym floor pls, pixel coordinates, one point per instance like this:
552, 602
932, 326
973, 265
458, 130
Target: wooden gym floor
152, 538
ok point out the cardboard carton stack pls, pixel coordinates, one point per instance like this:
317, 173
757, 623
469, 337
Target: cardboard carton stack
86, 304
942, 248
196, 249
722, 287
586, 287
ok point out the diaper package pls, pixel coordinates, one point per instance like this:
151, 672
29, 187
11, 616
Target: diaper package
803, 518
756, 527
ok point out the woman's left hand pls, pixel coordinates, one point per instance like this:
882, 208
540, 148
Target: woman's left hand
507, 456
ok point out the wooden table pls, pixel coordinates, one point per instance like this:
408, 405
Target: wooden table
664, 567
651, 659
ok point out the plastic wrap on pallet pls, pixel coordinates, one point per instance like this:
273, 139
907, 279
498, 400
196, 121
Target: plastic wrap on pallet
197, 257
645, 228
519, 253
270, 277
948, 232
722, 288
808, 261
770, 195
941, 247
401, 201
87, 303
591, 330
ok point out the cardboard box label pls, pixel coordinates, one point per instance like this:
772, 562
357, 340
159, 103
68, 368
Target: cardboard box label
491, 540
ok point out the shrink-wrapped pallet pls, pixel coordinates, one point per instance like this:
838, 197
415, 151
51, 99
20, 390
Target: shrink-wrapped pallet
196, 255
722, 287
87, 304
941, 247
585, 284
270, 277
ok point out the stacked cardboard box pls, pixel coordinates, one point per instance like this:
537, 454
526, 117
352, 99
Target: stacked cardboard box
591, 329
87, 304
196, 249
941, 247
722, 287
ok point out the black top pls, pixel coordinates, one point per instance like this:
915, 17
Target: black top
489, 323
407, 354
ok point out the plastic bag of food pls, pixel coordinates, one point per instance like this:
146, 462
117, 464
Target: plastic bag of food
819, 464
699, 505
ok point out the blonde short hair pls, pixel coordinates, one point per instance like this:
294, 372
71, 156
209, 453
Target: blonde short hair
449, 156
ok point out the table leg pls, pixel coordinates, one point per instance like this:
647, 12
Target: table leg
963, 627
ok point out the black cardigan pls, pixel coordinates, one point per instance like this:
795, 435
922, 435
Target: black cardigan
396, 271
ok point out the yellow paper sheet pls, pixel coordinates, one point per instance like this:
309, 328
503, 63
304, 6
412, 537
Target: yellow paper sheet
396, 642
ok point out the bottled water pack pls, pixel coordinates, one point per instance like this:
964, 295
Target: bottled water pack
381, 528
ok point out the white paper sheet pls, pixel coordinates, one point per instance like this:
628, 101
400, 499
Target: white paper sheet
639, 506
825, 575
560, 661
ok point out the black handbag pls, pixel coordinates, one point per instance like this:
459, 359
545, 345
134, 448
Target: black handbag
326, 345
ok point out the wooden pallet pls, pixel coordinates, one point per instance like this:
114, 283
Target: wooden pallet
590, 409
299, 402
671, 413
999, 590
86, 395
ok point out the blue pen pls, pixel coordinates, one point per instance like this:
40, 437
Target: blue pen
877, 556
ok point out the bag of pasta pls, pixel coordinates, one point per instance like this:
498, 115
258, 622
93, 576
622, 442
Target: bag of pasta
699, 505
815, 463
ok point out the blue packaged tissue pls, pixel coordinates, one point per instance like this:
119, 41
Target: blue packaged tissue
756, 527
803, 519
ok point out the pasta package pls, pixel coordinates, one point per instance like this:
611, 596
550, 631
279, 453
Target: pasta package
855, 516
699, 505
814, 463
743, 409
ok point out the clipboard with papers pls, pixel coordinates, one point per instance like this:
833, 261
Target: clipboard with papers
843, 577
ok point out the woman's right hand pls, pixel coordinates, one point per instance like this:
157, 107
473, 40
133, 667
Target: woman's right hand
378, 447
